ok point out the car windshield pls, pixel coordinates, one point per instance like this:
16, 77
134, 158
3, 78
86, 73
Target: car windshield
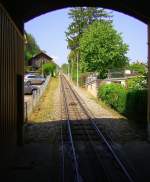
31, 76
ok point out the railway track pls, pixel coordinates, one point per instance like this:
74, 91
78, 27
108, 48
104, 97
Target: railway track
87, 155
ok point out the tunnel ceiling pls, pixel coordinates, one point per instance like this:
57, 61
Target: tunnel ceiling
29, 9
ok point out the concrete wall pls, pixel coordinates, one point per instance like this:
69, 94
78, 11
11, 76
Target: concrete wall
92, 87
32, 103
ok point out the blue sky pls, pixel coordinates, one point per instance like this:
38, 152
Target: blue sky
49, 32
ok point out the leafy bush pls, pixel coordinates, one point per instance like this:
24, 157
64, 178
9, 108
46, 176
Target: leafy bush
114, 95
137, 83
49, 68
138, 67
132, 103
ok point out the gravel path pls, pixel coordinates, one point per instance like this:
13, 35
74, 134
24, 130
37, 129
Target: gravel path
119, 128
130, 138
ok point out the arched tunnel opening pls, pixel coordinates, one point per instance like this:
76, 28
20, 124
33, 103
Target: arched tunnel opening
69, 147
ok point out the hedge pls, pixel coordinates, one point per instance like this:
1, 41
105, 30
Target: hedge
136, 104
131, 103
113, 95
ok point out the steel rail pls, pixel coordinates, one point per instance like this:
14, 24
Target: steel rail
62, 142
123, 168
90, 140
78, 177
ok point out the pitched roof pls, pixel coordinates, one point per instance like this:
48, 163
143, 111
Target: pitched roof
39, 55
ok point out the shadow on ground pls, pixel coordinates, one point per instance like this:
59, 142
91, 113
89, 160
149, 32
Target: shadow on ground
39, 159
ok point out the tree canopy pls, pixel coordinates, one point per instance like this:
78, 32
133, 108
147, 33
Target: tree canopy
64, 68
102, 48
49, 68
31, 47
138, 67
82, 17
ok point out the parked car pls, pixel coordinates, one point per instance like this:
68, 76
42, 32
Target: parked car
34, 79
28, 88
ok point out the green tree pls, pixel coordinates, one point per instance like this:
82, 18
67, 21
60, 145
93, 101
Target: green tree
64, 68
31, 47
49, 68
81, 17
102, 48
137, 83
138, 67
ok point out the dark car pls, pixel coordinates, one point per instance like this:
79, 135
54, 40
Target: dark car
28, 88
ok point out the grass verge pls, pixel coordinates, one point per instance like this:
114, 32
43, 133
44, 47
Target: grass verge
44, 110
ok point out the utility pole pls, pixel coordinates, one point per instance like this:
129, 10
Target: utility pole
77, 69
71, 69
68, 70
42, 67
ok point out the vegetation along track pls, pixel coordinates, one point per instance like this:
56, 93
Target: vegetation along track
87, 155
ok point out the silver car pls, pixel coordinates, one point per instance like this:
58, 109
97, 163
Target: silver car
34, 79
28, 88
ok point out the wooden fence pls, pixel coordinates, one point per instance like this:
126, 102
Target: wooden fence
11, 78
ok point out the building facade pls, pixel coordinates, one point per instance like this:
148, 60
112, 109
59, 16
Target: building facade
37, 61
